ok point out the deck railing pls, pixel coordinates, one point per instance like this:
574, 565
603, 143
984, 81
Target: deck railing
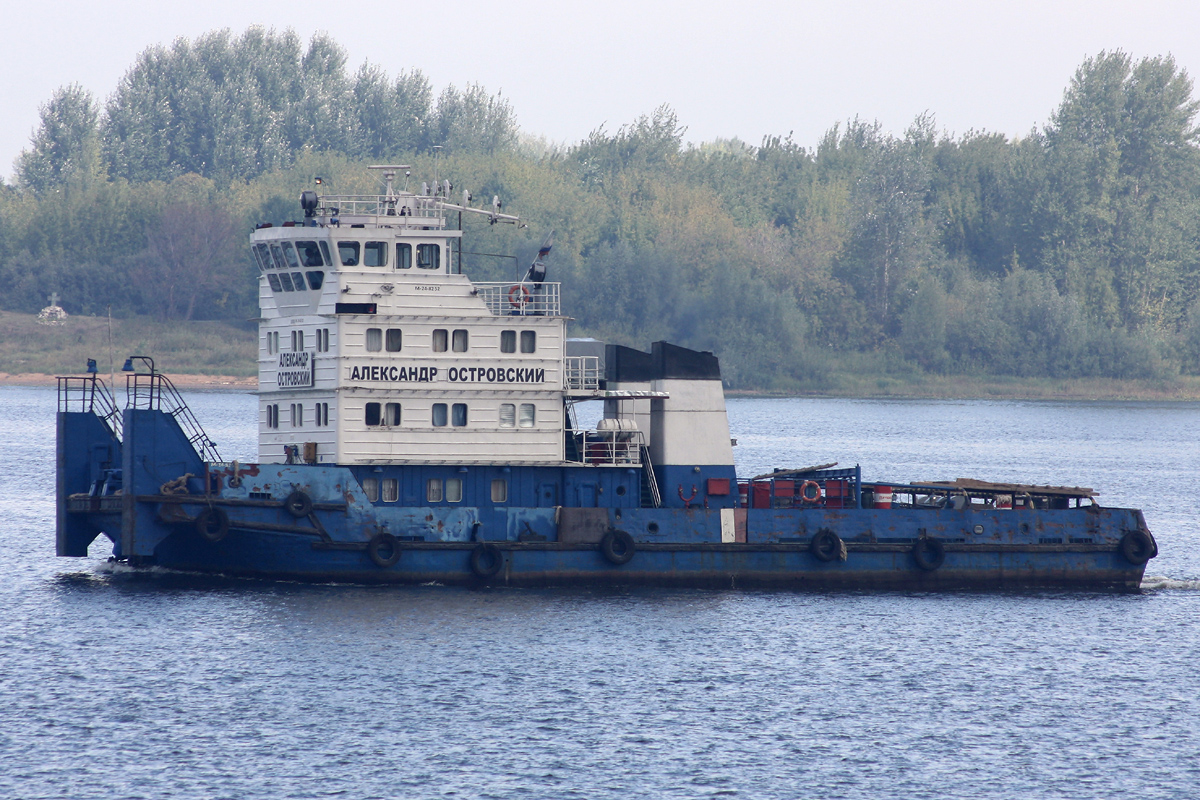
581, 373
89, 393
609, 447
523, 299
396, 208
155, 391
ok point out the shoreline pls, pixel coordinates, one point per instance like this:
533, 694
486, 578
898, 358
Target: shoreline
182, 381
1093, 390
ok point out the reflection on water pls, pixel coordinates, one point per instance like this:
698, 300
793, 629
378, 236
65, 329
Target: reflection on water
124, 684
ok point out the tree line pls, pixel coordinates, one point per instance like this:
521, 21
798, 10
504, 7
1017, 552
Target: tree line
1071, 251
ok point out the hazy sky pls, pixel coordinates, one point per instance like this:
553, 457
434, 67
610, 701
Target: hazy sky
744, 68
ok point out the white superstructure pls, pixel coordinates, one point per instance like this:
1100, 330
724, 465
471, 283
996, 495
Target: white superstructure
374, 349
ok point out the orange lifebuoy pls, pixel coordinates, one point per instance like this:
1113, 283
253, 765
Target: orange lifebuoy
518, 296
815, 494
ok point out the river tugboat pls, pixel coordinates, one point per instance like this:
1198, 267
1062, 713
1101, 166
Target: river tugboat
416, 426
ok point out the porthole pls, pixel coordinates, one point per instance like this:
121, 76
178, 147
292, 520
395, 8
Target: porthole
620, 491
979, 530
652, 527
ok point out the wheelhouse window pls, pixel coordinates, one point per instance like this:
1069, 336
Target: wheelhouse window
375, 254
429, 256
403, 255
508, 341
286, 279
439, 415
528, 341
459, 341
439, 340
374, 340
316, 279
499, 491
277, 256
348, 253
508, 415
289, 255
528, 415
310, 254
276, 284
394, 340
458, 415
298, 280
264, 256
373, 415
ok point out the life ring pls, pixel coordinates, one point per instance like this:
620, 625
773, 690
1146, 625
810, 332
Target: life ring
816, 492
298, 504
825, 545
929, 553
1138, 547
486, 560
617, 547
383, 550
518, 296
212, 524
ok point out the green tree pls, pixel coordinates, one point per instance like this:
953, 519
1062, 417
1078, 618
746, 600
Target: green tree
65, 144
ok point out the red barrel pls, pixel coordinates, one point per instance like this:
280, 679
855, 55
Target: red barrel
883, 497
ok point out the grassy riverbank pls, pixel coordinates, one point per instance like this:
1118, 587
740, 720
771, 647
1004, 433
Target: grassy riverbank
206, 353
196, 348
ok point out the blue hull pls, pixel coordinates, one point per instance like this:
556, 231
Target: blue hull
316, 523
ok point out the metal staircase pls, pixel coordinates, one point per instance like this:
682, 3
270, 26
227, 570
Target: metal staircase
155, 392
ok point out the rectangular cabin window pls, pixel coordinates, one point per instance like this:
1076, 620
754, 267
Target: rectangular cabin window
272, 342
316, 279
528, 415
286, 279
391, 490
297, 341
403, 255
454, 490
391, 414
374, 340
439, 340
321, 415
458, 415
375, 254
439, 415
277, 256
528, 341
322, 340
276, 284
371, 489
348, 253
394, 340
297, 415
310, 254
459, 341
264, 256
499, 491
289, 255
508, 415
429, 256
372, 415
508, 341
433, 490
273, 416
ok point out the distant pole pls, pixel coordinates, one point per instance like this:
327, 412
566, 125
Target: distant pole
112, 374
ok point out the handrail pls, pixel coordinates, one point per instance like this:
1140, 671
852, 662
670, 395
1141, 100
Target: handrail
155, 392
521, 298
89, 393
648, 468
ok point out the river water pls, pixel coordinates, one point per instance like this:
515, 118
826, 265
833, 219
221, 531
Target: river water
121, 685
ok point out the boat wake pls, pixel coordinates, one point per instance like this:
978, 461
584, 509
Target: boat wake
1163, 582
